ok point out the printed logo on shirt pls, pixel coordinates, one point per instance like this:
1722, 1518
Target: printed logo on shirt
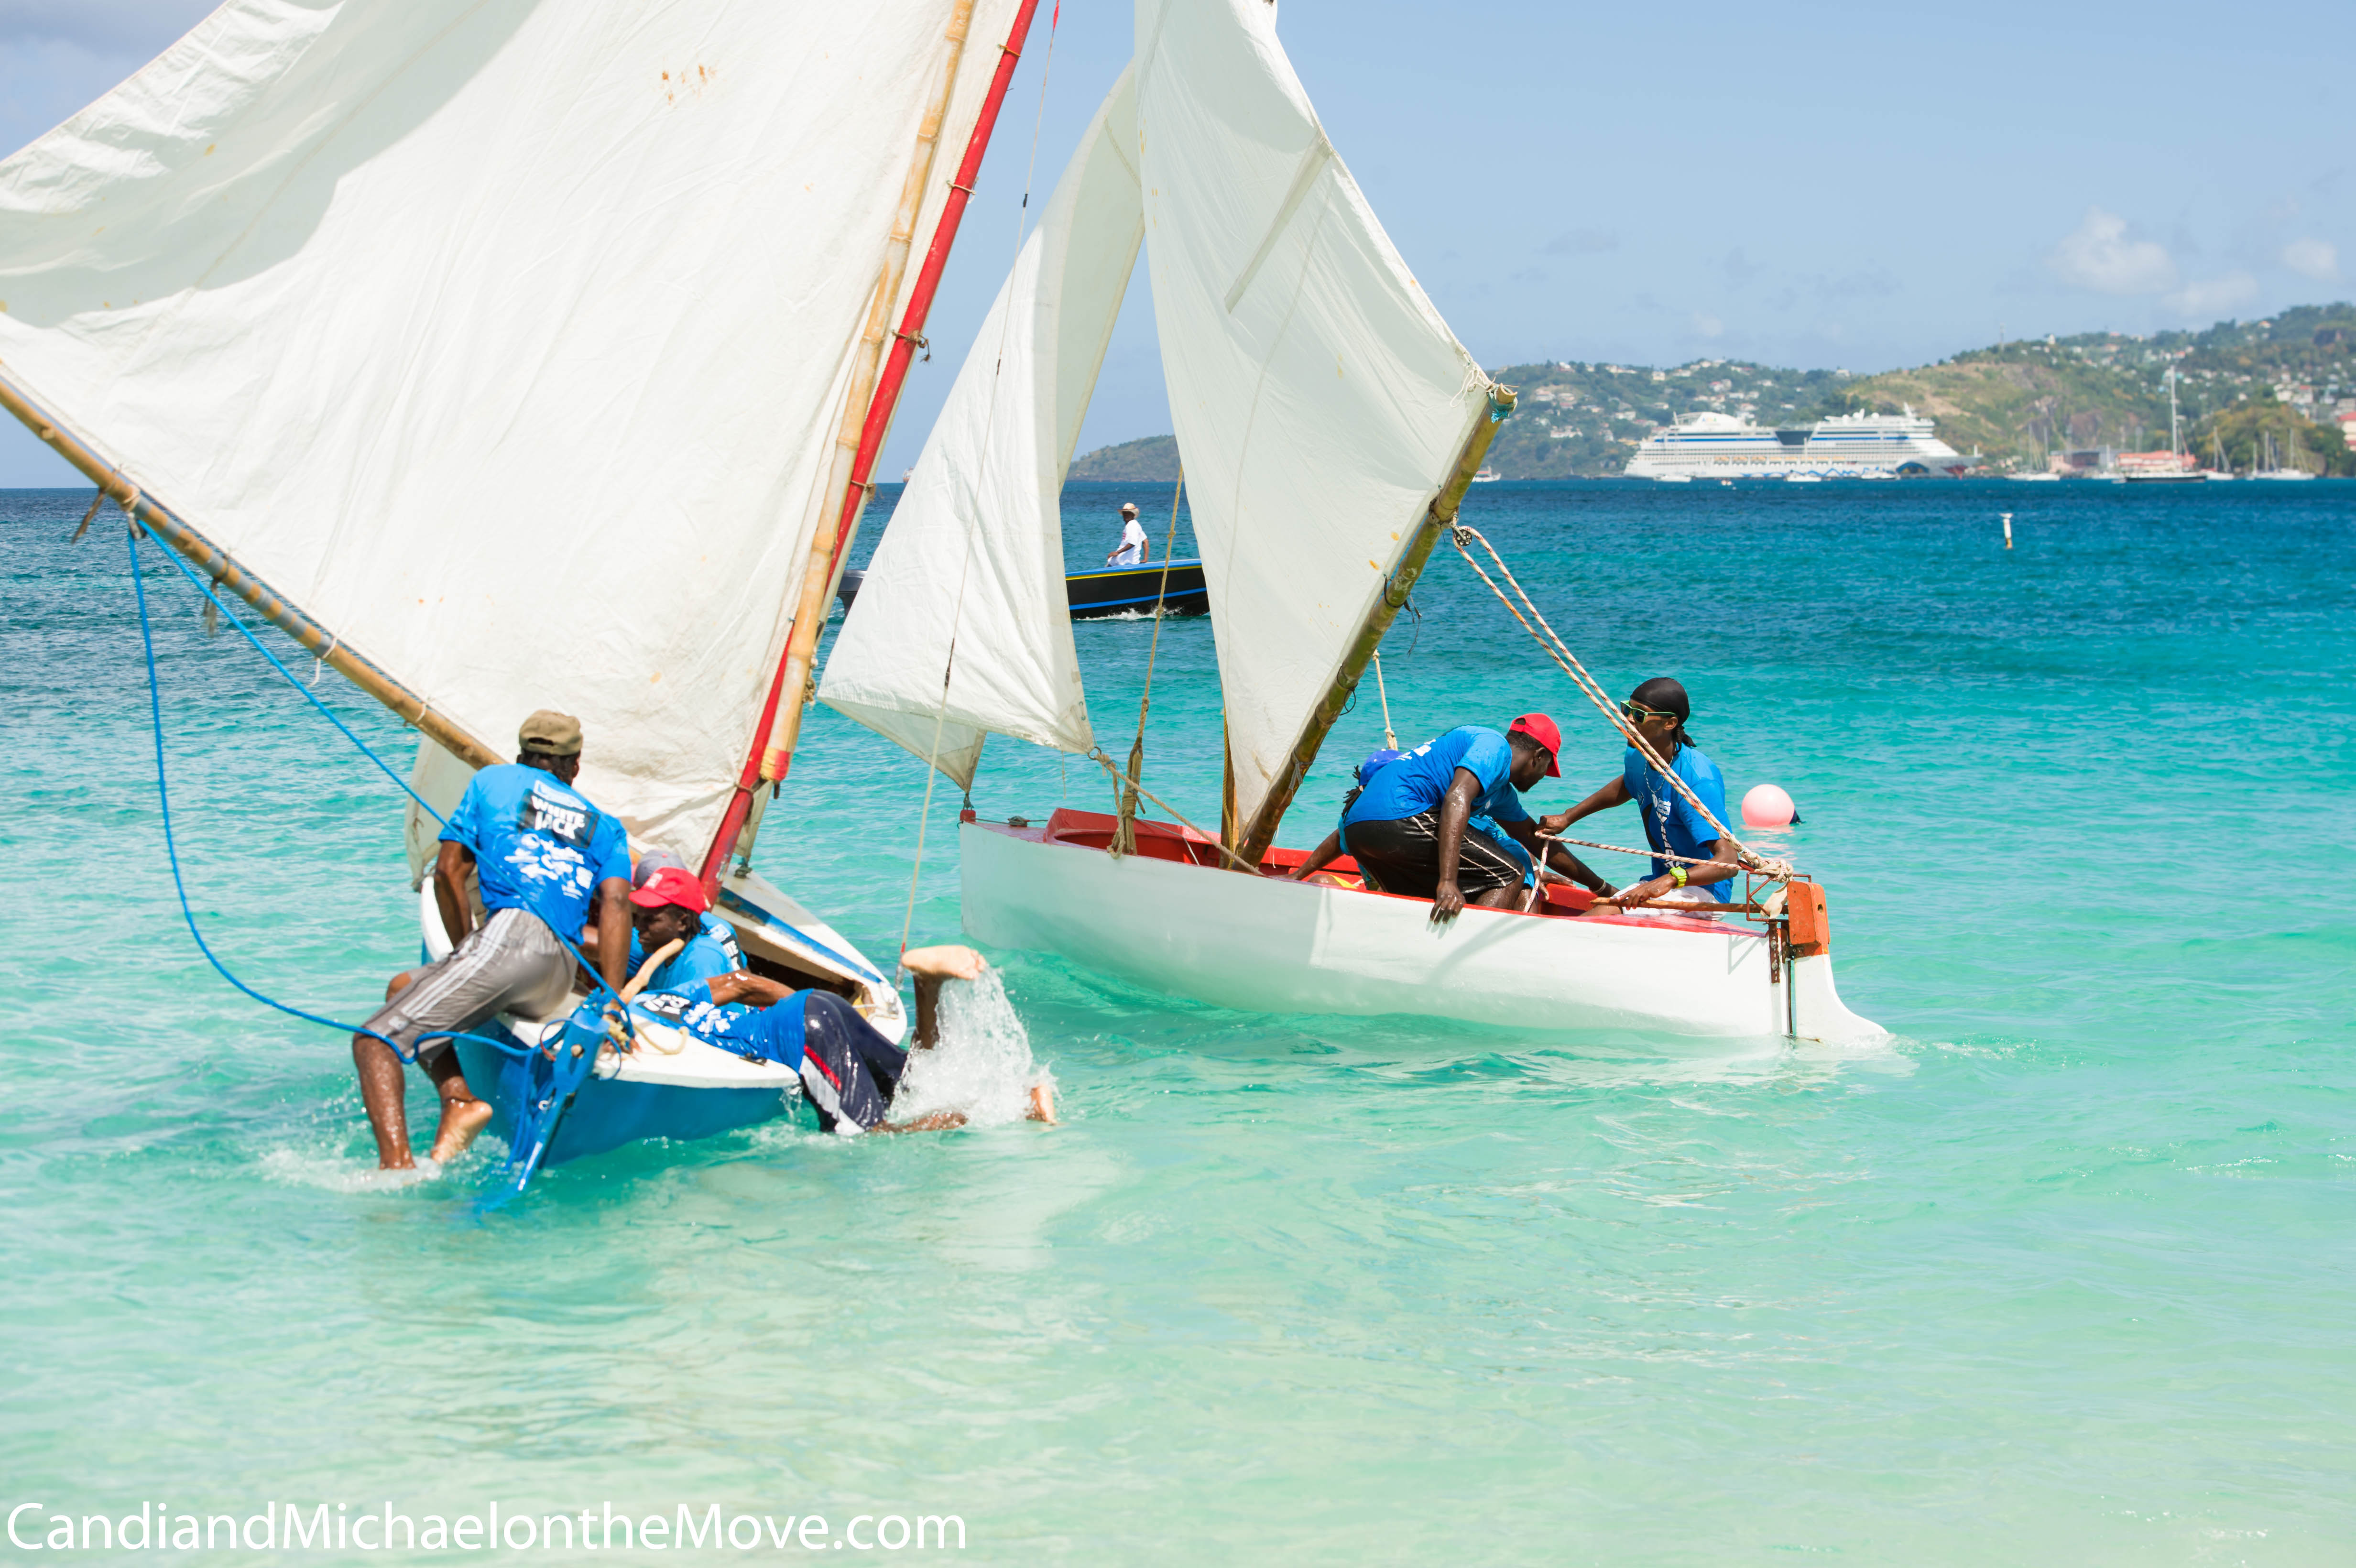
537, 860
571, 820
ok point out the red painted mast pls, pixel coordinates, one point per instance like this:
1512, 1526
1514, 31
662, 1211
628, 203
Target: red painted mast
763, 761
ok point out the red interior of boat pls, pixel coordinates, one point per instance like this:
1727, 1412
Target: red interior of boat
1168, 841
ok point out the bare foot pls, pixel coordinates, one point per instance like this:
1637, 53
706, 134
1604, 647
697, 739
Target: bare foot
946, 962
461, 1120
1043, 1104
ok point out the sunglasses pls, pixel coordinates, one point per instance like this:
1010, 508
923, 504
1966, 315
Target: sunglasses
1639, 712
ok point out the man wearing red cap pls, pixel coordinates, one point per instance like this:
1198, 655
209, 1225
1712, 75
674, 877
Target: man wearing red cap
1410, 825
670, 906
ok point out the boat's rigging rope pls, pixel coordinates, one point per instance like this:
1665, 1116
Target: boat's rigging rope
1557, 650
1097, 755
1390, 738
171, 841
1124, 827
964, 567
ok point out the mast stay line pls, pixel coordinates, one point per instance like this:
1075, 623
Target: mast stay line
225, 570
771, 751
1260, 833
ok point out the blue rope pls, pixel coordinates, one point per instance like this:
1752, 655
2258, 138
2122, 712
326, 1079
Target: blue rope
171, 846
308, 695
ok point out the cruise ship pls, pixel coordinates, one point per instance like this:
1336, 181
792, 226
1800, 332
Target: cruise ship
1847, 446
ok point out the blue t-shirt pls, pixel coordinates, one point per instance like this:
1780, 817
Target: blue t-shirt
538, 846
760, 1034
1671, 825
711, 953
1413, 784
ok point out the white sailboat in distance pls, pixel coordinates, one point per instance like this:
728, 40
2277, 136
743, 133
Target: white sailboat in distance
1329, 423
518, 356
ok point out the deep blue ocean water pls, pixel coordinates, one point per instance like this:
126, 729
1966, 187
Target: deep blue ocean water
2063, 1274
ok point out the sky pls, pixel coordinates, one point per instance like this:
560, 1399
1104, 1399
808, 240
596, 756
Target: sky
1811, 184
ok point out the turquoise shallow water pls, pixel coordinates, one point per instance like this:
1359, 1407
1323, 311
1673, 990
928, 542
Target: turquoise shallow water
2064, 1275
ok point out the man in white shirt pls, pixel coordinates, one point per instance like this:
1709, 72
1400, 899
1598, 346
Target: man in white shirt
1134, 546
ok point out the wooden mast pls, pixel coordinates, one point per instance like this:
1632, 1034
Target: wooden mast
874, 398
225, 570
1437, 519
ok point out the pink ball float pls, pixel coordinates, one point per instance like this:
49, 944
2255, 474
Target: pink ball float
1768, 806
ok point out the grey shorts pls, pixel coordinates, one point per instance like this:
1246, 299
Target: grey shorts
511, 964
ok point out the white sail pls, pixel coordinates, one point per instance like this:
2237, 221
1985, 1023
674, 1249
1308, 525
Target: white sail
975, 552
510, 340
1319, 399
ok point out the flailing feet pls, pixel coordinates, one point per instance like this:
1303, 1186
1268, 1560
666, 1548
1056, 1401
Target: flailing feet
949, 961
1043, 1104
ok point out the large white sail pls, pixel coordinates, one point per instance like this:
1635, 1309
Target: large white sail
974, 555
1319, 400
508, 339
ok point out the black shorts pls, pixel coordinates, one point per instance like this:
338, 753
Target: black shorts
849, 1071
1403, 857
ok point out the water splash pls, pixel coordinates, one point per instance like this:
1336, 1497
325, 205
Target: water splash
336, 1171
982, 1065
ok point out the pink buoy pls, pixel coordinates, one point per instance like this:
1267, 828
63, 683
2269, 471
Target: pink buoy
1768, 806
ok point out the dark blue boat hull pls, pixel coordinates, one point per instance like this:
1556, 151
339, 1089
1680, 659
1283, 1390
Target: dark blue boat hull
1132, 590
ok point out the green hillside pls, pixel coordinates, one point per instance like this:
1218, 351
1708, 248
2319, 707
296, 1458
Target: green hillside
2020, 400
1154, 457
2015, 404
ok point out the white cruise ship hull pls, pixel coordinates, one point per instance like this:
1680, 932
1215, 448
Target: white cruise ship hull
1851, 446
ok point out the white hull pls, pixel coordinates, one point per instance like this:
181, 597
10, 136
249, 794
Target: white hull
1848, 446
1271, 945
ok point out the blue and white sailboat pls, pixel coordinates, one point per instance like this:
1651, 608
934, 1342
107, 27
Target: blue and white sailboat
526, 356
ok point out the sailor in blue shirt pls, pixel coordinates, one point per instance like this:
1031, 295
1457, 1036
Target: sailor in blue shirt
1410, 824
543, 857
1659, 708
670, 906
714, 931
850, 1072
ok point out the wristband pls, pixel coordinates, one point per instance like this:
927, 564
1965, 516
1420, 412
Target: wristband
1677, 875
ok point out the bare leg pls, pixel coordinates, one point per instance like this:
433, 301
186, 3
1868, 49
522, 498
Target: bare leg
383, 1092
463, 1116
931, 965
1498, 898
939, 1121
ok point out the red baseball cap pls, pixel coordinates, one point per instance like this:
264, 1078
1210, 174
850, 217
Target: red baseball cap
671, 885
1540, 728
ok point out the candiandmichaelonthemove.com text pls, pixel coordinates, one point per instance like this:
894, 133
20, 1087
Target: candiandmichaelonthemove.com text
339, 1527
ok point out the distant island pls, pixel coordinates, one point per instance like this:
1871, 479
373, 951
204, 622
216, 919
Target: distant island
2020, 404
1154, 458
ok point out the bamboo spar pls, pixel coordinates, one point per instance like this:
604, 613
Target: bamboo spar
779, 723
225, 570
1438, 517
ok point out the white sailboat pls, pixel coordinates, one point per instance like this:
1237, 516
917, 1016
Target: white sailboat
2276, 468
522, 356
1329, 423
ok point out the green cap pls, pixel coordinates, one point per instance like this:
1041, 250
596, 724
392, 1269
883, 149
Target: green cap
549, 734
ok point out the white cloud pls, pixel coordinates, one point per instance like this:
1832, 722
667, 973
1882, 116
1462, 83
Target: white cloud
2098, 255
2317, 259
1708, 324
2206, 298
